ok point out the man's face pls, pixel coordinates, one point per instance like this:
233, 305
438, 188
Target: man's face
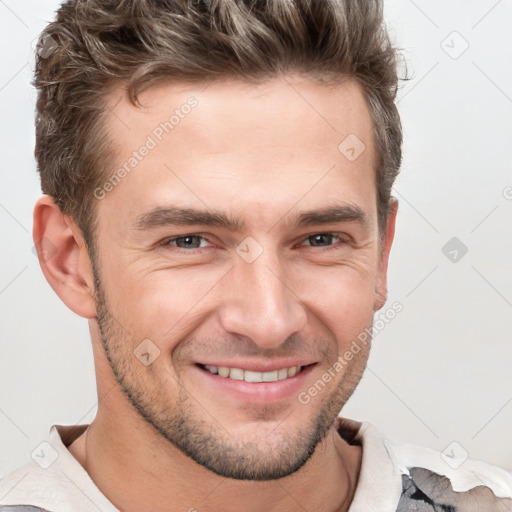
279, 289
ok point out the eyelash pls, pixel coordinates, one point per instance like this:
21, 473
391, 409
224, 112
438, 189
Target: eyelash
167, 242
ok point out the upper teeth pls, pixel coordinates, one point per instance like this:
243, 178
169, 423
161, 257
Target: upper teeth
239, 374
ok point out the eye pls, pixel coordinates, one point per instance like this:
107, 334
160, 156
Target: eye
190, 243
185, 242
323, 239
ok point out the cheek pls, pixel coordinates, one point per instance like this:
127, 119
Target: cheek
341, 299
162, 305
344, 283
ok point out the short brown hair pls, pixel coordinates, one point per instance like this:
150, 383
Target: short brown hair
96, 44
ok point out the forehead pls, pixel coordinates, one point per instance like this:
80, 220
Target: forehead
275, 102
271, 142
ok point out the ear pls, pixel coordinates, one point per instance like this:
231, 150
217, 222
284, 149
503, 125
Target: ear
381, 285
63, 257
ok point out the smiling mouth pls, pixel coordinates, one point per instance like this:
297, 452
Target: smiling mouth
249, 376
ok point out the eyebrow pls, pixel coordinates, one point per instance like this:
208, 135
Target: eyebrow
173, 216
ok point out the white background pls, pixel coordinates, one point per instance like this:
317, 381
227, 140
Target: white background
441, 370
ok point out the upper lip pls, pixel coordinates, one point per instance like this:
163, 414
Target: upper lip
258, 366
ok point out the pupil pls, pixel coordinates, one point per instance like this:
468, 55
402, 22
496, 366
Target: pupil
318, 238
187, 240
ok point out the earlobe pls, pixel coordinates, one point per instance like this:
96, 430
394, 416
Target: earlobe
381, 289
63, 257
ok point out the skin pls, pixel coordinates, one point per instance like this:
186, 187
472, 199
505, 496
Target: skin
163, 438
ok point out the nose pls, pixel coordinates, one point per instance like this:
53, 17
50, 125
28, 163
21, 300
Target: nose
260, 303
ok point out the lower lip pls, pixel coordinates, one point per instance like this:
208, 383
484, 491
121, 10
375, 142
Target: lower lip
258, 392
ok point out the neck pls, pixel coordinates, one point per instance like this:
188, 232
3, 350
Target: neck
136, 468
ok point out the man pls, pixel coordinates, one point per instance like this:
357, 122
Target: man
217, 180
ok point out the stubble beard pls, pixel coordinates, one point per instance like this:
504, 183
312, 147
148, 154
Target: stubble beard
187, 426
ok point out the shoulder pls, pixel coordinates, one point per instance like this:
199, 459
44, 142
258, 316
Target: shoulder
449, 481
402, 477
26, 481
52, 480
21, 508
